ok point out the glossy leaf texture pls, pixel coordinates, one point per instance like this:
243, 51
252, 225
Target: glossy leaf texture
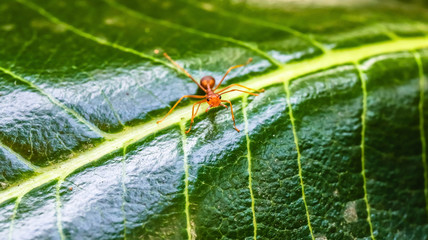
335, 148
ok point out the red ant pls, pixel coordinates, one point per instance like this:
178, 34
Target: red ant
211, 97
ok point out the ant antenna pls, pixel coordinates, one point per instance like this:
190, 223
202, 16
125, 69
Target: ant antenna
182, 69
230, 69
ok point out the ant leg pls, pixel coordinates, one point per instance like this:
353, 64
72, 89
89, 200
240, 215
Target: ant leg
228, 70
239, 85
223, 105
254, 94
175, 105
197, 109
182, 69
209, 107
233, 117
194, 114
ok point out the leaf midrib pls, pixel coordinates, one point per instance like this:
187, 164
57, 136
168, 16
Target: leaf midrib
131, 135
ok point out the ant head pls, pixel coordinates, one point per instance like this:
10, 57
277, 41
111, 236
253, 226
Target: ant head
214, 100
208, 82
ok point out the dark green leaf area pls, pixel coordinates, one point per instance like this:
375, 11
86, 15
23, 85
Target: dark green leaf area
327, 109
11, 167
275, 178
106, 86
393, 147
200, 55
220, 197
280, 44
6, 213
37, 215
361, 23
169, 224
128, 194
35, 128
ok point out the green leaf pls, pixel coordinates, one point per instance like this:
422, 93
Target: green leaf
335, 148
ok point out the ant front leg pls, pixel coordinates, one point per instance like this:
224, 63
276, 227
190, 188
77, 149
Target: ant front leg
239, 85
233, 117
239, 90
175, 105
194, 113
208, 108
227, 72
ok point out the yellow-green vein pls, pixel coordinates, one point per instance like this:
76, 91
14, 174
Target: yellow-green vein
422, 125
105, 42
140, 86
30, 132
362, 145
296, 142
23, 48
186, 179
250, 185
110, 105
58, 209
89, 36
20, 158
56, 102
135, 133
179, 27
12, 219
124, 190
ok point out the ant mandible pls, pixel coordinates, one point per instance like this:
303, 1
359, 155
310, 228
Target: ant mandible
211, 97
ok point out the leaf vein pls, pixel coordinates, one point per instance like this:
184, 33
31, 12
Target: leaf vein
363, 157
56, 102
58, 209
23, 48
422, 124
12, 220
89, 36
135, 133
124, 191
296, 142
250, 185
186, 179
110, 105
194, 31
20, 158
264, 23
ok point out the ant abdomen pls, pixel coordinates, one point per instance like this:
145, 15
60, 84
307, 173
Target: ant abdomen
207, 81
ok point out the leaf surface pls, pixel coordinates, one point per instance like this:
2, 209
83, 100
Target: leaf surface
335, 148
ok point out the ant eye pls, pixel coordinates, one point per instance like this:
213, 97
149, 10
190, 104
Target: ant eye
208, 99
219, 97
